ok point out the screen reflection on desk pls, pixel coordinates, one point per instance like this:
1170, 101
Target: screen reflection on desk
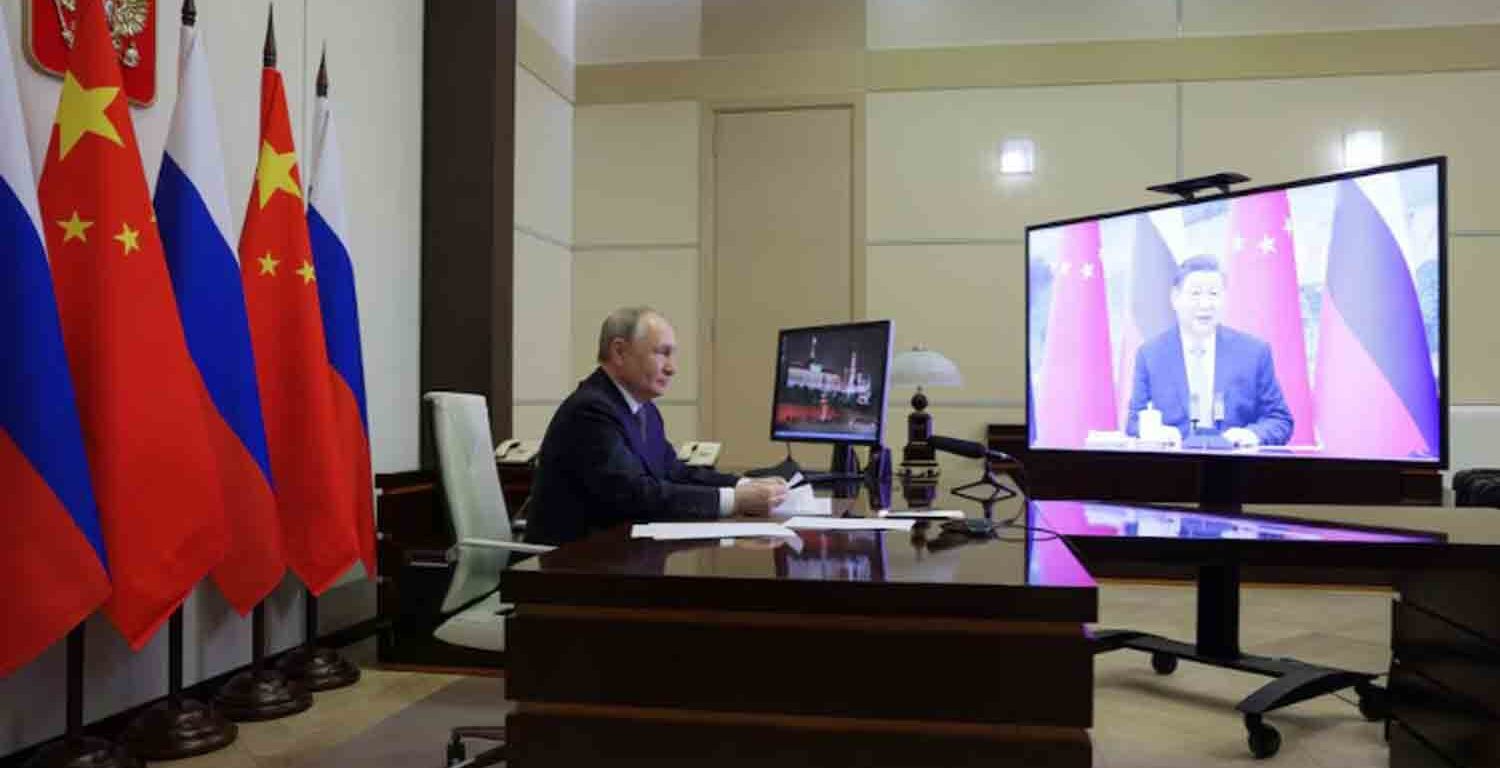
846, 556
1079, 518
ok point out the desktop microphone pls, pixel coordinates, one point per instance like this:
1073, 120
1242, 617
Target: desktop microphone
967, 448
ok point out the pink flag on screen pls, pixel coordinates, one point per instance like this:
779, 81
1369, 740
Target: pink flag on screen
1076, 390
1261, 282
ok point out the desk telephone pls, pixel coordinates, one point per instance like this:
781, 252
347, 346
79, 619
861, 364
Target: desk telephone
515, 451
699, 454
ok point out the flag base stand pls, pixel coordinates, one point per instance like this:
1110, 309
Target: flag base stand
315, 667
179, 728
84, 752
74, 750
261, 693
318, 669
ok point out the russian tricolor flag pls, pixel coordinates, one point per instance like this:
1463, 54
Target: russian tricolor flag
51, 546
336, 296
192, 211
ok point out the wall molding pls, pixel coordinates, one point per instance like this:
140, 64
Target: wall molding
1183, 59
898, 243
537, 56
605, 247
537, 234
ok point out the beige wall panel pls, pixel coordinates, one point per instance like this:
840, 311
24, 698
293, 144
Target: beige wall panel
636, 174
544, 159
604, 281
554, 20
530, 420
929, 157
1278, 130
536, 55
680, 418
1473, 344
1236, 17
905, 24
542, 319
732, 27
637, 30
966, 301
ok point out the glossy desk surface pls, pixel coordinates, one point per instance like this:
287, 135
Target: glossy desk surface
1047, 559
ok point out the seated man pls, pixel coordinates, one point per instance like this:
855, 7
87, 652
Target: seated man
1204, 376
605, 459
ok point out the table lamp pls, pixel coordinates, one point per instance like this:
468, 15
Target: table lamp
921, 367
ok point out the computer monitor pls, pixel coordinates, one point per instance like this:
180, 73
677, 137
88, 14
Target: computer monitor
831, 383
1301, 321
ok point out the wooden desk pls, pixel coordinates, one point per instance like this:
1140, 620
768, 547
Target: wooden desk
868, 649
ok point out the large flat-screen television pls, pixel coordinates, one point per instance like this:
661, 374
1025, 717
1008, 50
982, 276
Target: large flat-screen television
1303, 321
831, 382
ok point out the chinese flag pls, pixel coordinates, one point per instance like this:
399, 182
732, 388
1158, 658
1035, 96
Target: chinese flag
1076, 390
140, 400
313, 488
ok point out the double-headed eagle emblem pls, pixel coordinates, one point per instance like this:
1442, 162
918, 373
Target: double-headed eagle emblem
127, 20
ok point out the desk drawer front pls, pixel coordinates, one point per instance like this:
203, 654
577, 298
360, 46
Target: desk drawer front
827, 666
1453, 657
1453, 723
1409, 751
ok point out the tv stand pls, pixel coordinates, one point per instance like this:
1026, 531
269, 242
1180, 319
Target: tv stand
1222, 485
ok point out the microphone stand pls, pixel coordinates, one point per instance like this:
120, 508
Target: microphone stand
998, 490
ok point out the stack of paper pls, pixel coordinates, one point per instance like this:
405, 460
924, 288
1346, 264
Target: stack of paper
848, 524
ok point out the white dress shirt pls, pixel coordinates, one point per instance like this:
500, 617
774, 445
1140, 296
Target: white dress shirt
1198, 354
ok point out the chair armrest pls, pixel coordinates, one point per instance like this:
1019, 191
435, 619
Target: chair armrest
512, 546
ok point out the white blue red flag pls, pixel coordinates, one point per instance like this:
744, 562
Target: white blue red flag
192, 212
51, 546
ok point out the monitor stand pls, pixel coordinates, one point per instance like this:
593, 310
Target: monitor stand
1222, 483
876, 472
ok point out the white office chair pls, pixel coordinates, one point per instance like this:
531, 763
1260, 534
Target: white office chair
481, 524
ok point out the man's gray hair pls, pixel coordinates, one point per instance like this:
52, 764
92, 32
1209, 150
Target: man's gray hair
628, 323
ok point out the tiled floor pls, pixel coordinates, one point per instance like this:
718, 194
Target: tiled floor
1142, 720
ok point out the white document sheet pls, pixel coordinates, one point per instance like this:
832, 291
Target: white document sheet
921, 514
848, 524
683, 531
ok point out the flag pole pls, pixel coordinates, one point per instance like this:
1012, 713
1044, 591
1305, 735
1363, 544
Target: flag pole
317, 668
262, 693
178, 727
74, 750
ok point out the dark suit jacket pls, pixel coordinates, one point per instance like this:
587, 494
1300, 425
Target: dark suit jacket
1244, 373
597, 470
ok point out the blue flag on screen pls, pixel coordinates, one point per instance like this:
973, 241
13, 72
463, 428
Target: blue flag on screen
192, 211
328, 231
51, 546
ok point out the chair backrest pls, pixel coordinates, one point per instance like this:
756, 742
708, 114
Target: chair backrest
466, 458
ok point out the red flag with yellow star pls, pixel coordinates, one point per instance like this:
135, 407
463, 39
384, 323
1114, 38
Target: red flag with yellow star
140, 399
313, 493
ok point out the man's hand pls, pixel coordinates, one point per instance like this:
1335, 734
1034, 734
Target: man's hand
1241, 437
759, 496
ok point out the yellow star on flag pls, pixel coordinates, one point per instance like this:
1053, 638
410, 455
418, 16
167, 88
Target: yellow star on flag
274, 171
81, 111
75, 228
306, 271
268, 264
129, 238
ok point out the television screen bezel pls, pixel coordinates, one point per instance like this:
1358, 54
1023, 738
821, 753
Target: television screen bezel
890, 343
1439, 162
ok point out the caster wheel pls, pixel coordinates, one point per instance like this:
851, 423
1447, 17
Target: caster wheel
1264, 740
456, 752
1163, 664
1373, 704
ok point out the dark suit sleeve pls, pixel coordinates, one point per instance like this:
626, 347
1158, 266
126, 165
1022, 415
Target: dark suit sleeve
1140, 393
678, 472
608, 469
1273, 420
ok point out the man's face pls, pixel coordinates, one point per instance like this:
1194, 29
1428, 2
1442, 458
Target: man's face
1199, 301
645, 365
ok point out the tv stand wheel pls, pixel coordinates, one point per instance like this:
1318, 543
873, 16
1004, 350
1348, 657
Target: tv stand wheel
1163, 663
1374, 704
1264, 740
